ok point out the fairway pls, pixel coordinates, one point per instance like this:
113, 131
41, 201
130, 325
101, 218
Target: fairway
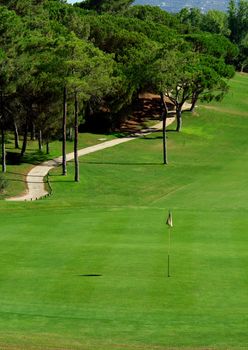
87, 267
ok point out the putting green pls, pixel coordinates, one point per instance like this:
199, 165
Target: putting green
86, 268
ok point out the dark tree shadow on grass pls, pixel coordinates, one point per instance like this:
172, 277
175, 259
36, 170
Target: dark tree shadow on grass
36, 158
90, 275
120, 163
21, 174
15, 180
15, 173
64, 181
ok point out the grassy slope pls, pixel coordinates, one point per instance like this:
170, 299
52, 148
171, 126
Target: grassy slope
16, 172
113, 224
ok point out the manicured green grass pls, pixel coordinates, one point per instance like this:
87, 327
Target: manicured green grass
17, 168
112, 224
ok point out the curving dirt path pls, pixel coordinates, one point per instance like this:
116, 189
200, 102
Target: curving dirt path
35, 178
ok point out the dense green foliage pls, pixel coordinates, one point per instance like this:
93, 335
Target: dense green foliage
111, 6
104, 53
238, 24
233, 25
112, 224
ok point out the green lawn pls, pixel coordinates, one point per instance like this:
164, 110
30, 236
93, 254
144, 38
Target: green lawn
112, 225
16, 170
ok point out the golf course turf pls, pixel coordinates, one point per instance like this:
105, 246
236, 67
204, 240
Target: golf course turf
87, 267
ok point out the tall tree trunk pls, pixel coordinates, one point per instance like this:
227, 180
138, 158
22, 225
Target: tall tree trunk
3, 150
2, 134
47, 147
25, 137
64, 170
76, 139
32, 131
194, 100
164, 116
179, 118
40, 140
16, 135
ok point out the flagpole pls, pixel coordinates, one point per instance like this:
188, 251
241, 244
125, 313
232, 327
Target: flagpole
169, 222
169, 243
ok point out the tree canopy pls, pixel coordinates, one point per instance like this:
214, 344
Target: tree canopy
104, 53
111, 6
238, 25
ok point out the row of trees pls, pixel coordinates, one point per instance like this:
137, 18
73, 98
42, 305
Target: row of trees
42, 65
233, 25
62, 64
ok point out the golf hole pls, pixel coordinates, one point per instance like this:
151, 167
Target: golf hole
91, 275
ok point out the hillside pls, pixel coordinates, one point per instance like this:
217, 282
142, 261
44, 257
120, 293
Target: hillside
85, 269
177, 5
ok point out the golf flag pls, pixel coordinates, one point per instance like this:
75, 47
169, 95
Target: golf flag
169, 221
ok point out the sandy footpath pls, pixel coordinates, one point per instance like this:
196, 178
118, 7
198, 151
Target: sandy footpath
35, 178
